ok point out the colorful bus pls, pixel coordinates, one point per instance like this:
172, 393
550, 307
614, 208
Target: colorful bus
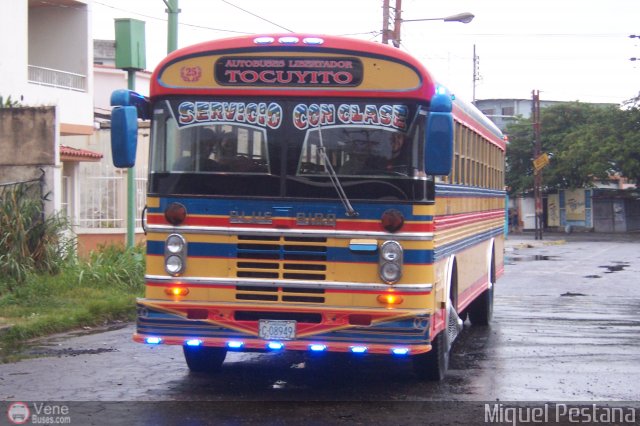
313, 193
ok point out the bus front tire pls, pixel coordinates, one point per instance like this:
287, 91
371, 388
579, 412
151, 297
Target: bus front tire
204, 359
433, 365
481, 310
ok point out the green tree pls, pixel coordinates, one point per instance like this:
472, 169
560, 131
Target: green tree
585, 141
621, 144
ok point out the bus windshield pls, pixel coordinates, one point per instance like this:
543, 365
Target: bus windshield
286, 148
207, 147
358, 151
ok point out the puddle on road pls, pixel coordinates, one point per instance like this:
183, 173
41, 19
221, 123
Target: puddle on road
40, 351
510, 259
616, 267
571, 294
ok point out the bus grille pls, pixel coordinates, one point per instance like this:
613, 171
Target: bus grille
272, 257
280, 294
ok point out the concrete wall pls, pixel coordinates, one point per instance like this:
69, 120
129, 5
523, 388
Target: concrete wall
88, 243
29, 146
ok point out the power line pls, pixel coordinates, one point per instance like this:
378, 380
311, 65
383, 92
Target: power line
165, 20
257, 16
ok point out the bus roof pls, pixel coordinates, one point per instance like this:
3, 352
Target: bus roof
305, 65
293, 65
470, 116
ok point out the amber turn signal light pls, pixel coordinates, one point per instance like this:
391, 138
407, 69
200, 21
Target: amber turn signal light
390, 299
176, 291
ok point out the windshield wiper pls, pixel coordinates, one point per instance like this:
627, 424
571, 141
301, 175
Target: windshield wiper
333, 177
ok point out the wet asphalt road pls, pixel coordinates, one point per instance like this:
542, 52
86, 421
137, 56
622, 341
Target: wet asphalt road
566, 328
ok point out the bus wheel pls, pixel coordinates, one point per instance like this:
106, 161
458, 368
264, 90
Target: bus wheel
481, 309
204, 359
433, 365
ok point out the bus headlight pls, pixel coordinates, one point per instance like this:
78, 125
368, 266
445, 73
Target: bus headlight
174, 265
390, 268
175, 254
390, 272
391, 251
175, 243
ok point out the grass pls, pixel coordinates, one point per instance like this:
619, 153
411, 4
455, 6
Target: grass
88, 292
44, 287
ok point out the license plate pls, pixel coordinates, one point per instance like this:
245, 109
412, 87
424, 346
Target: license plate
277, 330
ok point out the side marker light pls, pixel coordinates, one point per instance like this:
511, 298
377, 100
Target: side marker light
317, 348
275, 346
235, 344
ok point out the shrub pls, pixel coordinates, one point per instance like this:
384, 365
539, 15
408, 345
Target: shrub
29, 241
113, 266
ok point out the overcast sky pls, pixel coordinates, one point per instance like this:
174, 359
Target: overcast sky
567, 49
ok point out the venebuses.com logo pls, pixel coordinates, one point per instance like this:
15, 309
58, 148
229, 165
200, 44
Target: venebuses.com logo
19, 413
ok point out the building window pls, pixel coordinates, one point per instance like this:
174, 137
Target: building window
509, 111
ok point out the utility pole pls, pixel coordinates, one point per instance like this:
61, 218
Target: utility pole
476, 72
388, 34
385, 22
397, 22
537, 173
130, 56
172, 21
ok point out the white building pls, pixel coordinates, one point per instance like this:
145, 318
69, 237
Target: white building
47, 58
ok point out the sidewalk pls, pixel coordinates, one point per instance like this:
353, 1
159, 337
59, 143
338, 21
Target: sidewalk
519, 239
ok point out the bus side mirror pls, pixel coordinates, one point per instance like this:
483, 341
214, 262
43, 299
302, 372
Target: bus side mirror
439, 136
124, 136
128, 106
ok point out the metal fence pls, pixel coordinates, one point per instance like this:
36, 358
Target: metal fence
13, 193
103, 196
57, 78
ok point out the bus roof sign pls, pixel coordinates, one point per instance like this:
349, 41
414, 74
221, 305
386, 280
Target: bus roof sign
301, 71
292, 70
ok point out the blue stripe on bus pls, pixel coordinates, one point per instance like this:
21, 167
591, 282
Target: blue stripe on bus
333, 254
279, 208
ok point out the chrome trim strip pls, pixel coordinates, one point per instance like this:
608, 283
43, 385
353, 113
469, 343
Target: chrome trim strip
333, 285
413, 236
153, 304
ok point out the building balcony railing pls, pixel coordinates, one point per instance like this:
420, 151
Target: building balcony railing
56, 78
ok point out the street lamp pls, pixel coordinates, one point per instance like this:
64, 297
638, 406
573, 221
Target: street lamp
464, 17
